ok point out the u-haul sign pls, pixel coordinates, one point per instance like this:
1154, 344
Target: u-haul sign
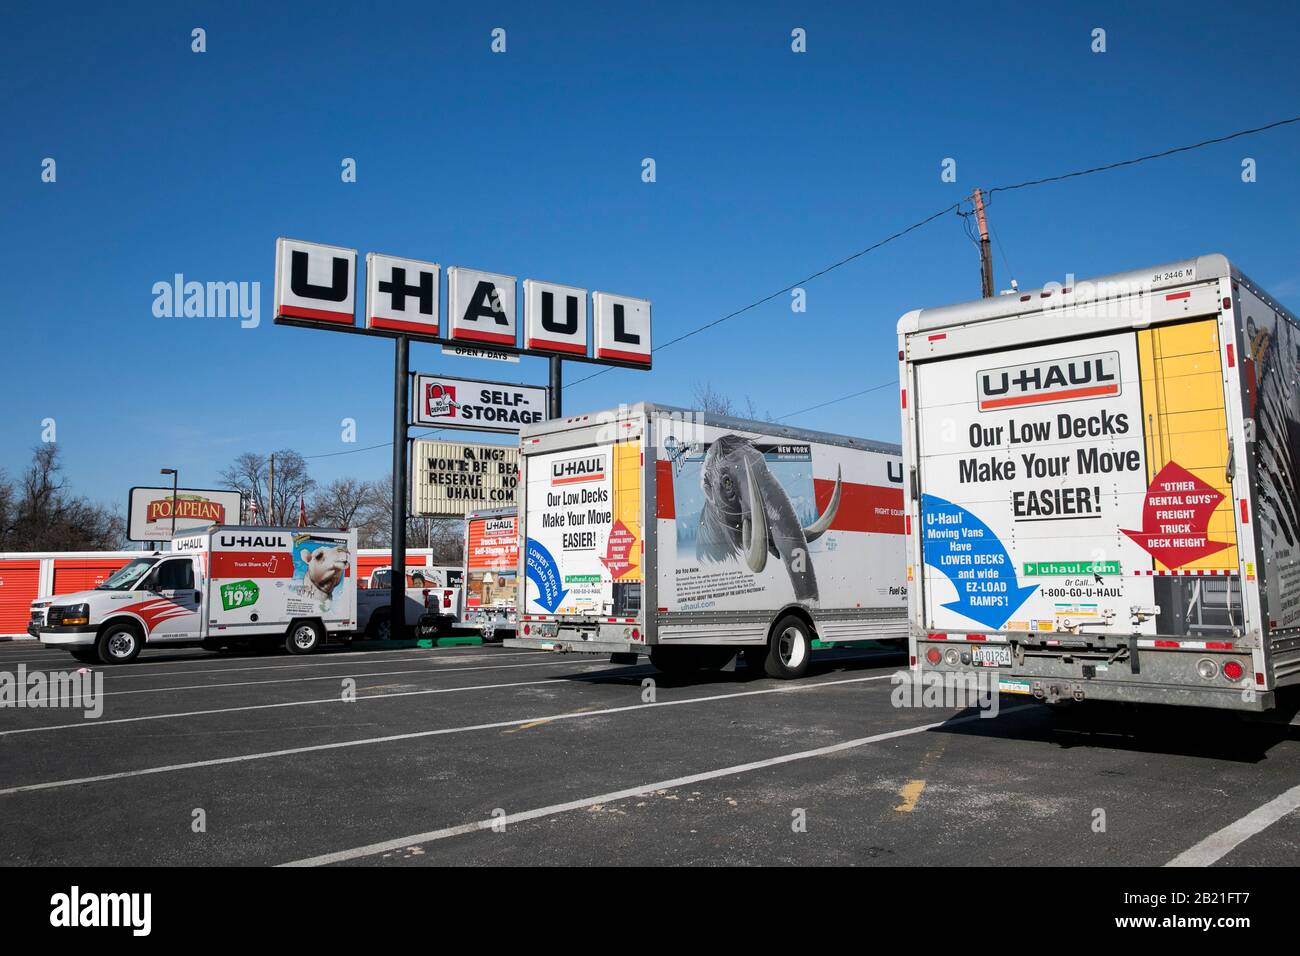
1063, 380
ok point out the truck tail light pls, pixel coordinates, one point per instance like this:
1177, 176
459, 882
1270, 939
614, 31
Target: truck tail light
527, 630
446, 599
933, 655
1233, 670
1207, 669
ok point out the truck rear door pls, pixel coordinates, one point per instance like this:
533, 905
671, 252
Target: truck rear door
583, 547
1078, 486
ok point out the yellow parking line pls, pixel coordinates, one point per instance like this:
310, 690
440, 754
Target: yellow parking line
544, 720
910, 793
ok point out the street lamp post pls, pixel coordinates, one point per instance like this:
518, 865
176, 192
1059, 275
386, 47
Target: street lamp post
175, 473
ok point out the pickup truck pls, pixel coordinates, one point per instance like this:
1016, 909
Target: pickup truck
374, 612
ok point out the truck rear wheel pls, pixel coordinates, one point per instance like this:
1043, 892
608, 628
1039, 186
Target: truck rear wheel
304, 637
118, 644
789, 649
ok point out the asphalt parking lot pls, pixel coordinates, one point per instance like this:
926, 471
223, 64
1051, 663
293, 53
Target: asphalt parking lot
491, 755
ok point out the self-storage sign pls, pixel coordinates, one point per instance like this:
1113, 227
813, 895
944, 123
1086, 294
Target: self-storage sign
482, 406
455, 479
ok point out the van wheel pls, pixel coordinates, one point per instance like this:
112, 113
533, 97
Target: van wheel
789, 649
119, 644
304, 638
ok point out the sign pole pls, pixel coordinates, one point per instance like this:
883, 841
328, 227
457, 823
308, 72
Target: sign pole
557, 385
401, 391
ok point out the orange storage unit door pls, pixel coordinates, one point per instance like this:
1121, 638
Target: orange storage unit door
82, 574
19, 581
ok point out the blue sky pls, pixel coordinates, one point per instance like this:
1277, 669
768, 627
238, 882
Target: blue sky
770, 165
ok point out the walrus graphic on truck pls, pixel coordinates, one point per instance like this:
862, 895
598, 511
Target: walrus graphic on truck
691, 537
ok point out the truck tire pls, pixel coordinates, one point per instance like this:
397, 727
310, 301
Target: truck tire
379, 627
789, 649
118, 644
304, 637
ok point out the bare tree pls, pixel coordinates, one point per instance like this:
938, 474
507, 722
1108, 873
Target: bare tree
342, 503
250, 474
446, 536
708, 399
40, 514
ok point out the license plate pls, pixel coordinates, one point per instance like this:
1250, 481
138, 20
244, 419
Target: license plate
991, 655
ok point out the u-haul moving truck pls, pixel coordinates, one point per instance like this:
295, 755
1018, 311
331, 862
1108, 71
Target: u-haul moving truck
224, 585
1103, 494
691, 536
491, 572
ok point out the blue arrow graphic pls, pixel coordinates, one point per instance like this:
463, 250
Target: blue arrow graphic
545, 573
976, 562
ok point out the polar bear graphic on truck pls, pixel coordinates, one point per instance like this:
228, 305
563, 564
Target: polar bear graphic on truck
324, 570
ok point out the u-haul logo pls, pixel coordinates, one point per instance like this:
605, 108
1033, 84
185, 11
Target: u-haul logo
1060, 380
572, 471
499, 526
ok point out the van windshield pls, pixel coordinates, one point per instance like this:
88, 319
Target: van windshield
125, 577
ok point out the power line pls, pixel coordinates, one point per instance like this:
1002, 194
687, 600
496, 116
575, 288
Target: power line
1054, 179
794, 285
898, 235
1142, 159
842, 398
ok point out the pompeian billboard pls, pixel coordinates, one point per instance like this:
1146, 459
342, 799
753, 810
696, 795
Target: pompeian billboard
150, 511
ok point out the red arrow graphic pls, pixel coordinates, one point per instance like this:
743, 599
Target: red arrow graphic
1176, 518
618, 556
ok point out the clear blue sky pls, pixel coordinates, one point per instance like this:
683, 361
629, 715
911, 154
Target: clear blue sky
770, 166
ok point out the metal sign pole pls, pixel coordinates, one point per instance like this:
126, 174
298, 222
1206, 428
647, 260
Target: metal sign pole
401, 391
557, 385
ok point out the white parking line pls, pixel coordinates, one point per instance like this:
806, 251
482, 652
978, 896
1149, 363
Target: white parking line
1219, 844
290, 703
338, 698
115, 671
416, 735
430, 836
71, 695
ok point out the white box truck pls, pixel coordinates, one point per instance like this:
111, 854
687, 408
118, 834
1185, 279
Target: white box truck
491, 573
1102, 488
689, 537
225, 585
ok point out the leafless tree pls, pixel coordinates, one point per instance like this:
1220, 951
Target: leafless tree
446, 536
342, 503
706, 398
250, 474
39, 514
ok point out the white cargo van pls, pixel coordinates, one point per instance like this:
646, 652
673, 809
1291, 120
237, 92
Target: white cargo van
689, 537
224, 585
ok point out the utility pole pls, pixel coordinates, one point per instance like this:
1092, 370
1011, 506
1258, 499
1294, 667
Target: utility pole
986, 255
270, 496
